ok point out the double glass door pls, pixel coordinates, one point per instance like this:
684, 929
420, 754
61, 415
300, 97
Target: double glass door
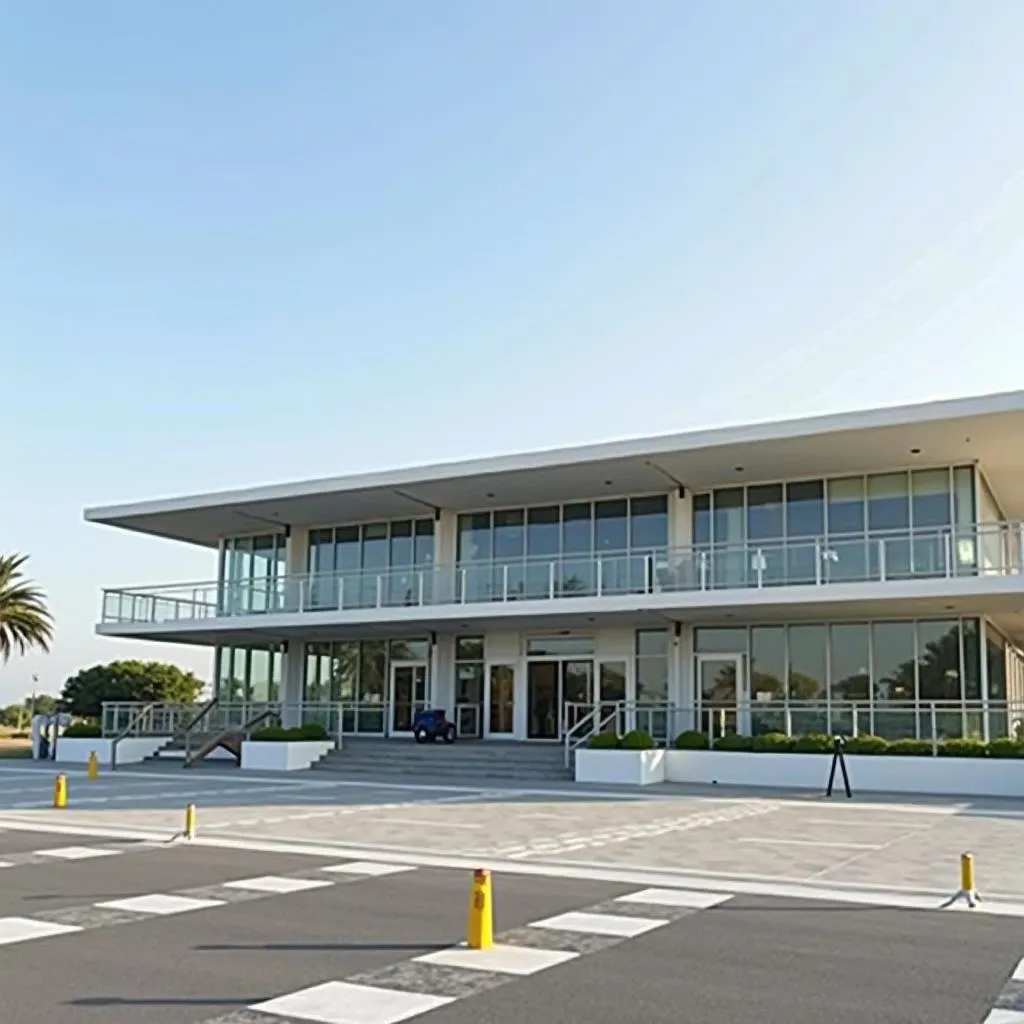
408, 694
550, 686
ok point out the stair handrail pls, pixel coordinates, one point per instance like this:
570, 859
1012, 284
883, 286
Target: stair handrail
185, 731
273, 711
132, 725
576, 737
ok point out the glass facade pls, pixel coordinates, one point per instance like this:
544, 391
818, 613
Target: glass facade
529, 553
876, 670
245, 674
250, 568
469, 684
769, 530
346, 561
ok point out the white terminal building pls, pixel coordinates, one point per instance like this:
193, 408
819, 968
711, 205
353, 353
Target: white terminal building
861, 572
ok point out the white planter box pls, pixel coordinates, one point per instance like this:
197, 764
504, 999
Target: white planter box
266, 756
940, 776
620, 767
131, 750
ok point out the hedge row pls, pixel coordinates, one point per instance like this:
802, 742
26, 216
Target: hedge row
815, 743
87, 730
297, 734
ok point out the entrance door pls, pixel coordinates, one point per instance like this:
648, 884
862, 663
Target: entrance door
543, 703
724, 704
577, 692
408, 694
501, 700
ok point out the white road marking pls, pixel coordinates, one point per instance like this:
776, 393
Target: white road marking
810, 842
340, 1002
77, 853
426, 822
160, 904
363, 867
277, 884
600, 924
501, 959
676, 898
22, 929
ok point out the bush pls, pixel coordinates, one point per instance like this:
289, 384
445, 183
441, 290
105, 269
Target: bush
83, 731
732, 741
772, 742
692, 740
1006, 747
297, 734
603, 741
910, 748
814, 743
963, 748
866, 745
637, 740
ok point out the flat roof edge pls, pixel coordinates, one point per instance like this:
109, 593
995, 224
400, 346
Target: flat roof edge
772, 430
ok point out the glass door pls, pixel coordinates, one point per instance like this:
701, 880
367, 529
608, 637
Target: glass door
501, 693
543, 704
408, 694
723, 700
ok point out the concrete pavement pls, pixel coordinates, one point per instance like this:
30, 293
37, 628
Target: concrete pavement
147, 933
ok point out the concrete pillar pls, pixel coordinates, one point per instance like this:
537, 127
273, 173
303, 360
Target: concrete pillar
442, 674
294, 658
680, 519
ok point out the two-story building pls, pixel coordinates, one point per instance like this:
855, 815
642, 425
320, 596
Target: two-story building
857, 571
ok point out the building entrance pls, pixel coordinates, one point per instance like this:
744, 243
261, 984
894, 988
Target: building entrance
408, 694
724, 700
550, 686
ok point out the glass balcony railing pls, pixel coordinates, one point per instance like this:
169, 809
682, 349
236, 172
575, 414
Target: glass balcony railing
991, 549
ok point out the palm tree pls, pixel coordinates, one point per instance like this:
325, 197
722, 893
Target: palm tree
25, 621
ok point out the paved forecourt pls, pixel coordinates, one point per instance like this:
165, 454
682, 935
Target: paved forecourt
111, 932
900, 843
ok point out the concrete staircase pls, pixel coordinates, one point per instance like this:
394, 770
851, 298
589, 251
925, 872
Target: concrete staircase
466, 762
175, 749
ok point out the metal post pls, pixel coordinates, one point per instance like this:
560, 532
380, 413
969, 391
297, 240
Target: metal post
759, 567
947, 553
935, 731
420, 588
648, 574
551, 581
881, 560
818, 556
380, 591
703, 570
504, 582
853, 726
600, 577
462, 588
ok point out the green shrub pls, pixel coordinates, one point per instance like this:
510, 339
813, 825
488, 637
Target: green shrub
963, 748
83, 731
314, 731
733, 741
603, 741
772, 742
910, 748
296, 734
692, 740
813, 743
1006, 747
866, 745
637, 740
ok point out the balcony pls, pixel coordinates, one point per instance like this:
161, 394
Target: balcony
991, 549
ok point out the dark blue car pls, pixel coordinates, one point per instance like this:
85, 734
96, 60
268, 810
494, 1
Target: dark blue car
430, 724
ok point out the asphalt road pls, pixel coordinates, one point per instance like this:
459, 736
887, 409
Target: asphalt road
744, 959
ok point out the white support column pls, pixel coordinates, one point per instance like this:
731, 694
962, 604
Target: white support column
680, 519
293, 660
442, 675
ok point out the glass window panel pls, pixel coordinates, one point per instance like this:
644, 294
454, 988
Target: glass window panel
808, 662
846, 505
469, 682
611, 526
259, 676
996, 655
559, 646
972, 659
718, 640
375, 546
424, 541
577, 529
893, 673
344, 680
649, 523
930, 498
469, 648
768, 663
963, 495
888, 502
542, 530
320, 556
764, 512
313, 690
475, 537
401, 544
509, 535
727, 524
346, 556
240, 674
805, 509
702, 519
850, 662
612, 681
652, 642
651, 680
938, 660
372, 671
409, 650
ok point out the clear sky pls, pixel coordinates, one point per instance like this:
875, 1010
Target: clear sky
244, 241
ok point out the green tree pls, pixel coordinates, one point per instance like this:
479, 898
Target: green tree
85, 693
25, 621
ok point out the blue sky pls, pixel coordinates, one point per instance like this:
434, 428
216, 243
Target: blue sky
248, 241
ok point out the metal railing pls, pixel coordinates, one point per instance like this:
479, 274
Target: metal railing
986, 549
932, 721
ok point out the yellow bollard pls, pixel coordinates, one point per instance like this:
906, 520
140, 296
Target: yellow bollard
60, 792
190, 822
480, 933
93, 771
967, 886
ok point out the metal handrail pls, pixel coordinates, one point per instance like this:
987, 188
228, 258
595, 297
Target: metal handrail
128, 730
874, 556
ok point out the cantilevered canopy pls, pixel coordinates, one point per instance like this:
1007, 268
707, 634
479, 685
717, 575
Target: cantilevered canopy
988, 430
